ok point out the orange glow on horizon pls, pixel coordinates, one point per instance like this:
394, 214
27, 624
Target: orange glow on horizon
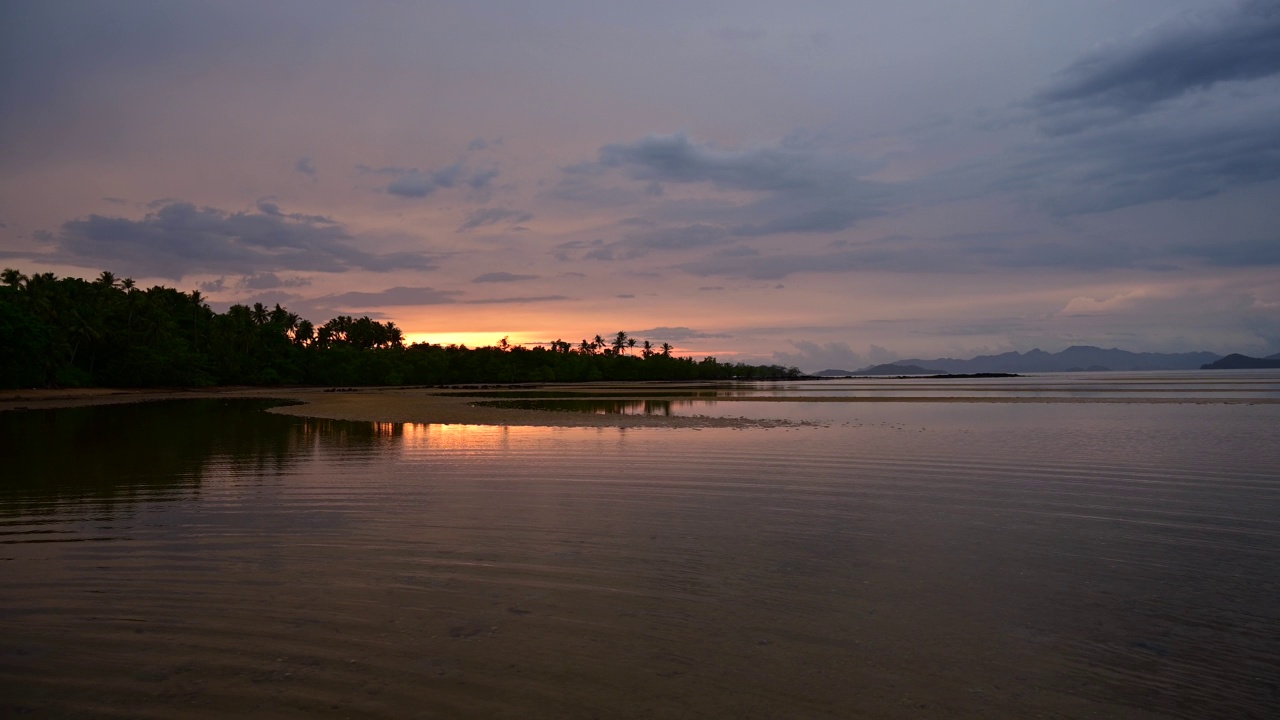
474, 339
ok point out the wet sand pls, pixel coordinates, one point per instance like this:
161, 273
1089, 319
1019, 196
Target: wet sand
396, 405
460, 406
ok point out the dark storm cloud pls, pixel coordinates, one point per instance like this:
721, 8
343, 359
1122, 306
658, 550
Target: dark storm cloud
800, 189
1241, 253
1235, 43
181, 239
1137, 164
482, 217
501, 277
943, 255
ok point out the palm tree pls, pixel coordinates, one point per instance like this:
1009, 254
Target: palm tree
197, 300
666, 349
619, 342
395, 337
647, 352
305, 333
631, 345
12, 278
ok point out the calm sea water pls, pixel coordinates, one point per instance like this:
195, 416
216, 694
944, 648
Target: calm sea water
940, 559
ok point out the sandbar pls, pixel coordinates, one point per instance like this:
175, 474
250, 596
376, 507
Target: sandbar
460, 406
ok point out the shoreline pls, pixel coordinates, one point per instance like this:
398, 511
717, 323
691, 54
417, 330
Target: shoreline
457, 406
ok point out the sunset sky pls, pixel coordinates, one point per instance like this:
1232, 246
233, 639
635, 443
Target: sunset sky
824, 184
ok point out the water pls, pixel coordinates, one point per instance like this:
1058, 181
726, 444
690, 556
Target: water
910, 559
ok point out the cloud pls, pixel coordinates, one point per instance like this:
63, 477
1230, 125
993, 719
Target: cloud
948, 254
518, 300
688, 237
305, 166
482, 179
813, 356
392, 296
676, 334
415, 183
180, 239
1143, 163
399, 296
680, 238
1242, 253
796, 188
1106, 306
482, 217
1238, 42
269, 281
501, 277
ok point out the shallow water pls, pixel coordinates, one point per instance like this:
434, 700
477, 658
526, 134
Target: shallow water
905, 560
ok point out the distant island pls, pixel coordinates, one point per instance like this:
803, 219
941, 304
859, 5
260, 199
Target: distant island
1078, 358
905, 372
1236, 361
885, 369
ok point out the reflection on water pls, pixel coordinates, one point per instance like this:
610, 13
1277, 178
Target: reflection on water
1227, 386
666, 408
909, 560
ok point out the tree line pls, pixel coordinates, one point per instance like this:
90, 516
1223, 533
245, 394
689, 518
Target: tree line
108, 332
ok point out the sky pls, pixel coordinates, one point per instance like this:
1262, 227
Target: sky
812, 183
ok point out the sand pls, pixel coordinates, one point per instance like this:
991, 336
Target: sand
460, 406
408, 405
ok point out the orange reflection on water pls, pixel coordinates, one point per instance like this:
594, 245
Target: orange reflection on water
462, 439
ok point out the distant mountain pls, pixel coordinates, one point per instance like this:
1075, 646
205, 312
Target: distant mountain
1074, 359
897, 369
1272, 357
1236, 361
833, 373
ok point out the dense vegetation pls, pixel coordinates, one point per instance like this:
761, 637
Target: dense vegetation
71, 332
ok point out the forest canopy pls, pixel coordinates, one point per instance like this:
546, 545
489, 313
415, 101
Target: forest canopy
71, 332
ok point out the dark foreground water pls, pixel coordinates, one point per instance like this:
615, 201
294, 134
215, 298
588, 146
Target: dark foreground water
908, 560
